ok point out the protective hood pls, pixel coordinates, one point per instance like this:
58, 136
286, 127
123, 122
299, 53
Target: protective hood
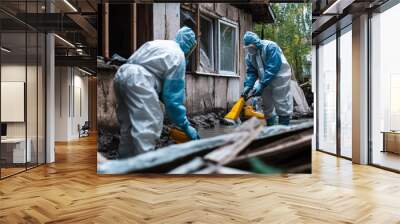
186, 39
252, 38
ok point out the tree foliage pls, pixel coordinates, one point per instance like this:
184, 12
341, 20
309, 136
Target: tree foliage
292, 32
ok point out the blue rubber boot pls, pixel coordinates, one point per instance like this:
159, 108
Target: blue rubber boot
284, 120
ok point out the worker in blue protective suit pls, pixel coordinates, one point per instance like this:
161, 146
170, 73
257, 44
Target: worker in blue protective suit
267, 64
156, 71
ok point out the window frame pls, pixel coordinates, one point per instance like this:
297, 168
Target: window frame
235, 47
212, 45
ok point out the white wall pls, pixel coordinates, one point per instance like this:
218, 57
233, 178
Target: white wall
33, 126
12, 73
79, 117
70, 83
61, 103
16, 73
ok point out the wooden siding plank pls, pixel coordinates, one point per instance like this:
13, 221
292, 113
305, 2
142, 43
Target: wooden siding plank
190, 100
220, 9
232, 13
202, 94
159, 21
172, 23
133, 27
210, 100
194, 90
245, 24
220, 88
106, 30
207, 6
233, 91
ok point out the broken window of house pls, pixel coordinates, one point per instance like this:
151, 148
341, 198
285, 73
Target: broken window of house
227, 47
206, 45
187, 19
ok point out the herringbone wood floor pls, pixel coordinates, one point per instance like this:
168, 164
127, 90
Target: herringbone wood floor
70, 191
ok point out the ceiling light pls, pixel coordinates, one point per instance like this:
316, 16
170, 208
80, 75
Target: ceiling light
70, 5
5, 50
65, 41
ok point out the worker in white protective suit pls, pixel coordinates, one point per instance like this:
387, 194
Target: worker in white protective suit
267, 64
156, 71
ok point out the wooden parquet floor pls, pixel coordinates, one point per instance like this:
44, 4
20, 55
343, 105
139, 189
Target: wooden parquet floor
70, 191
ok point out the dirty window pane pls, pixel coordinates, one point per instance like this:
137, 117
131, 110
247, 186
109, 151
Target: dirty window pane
187, 19
206, 45
227, 45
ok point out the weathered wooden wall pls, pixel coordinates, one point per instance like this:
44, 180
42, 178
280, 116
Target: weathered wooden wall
205, 92
166, 20
106, 101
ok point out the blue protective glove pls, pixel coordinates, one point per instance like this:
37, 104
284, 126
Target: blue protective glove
258, 89
246, 91
192, 132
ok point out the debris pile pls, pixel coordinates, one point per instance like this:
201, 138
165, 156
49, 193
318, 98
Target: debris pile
108, 141
250, 148
208, 119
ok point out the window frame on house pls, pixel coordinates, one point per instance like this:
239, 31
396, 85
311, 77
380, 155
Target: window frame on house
191, 67
234, 25
213, 42
216, 23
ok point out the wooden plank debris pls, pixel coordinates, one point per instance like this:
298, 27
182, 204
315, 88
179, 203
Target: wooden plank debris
268, 132
165, 156
190, 167
217, 169
249, 131
229, 170
278, 146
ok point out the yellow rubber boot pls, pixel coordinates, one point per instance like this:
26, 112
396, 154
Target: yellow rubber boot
234, 114
250, 112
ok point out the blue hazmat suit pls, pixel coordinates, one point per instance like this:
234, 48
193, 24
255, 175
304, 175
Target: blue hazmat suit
266, 63
154, 73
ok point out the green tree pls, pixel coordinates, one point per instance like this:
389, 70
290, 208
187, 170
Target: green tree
292, 32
